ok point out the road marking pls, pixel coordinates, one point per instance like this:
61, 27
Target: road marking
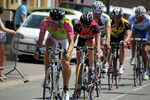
140, 87
120, 96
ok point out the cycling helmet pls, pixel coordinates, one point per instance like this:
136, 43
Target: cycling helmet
140, 11
86, 18
98, 6
57, 13
117, 11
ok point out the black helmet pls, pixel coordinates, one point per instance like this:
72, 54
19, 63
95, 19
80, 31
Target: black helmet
57, 13
86, 18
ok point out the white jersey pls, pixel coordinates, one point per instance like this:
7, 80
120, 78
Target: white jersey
103, 21
142, 26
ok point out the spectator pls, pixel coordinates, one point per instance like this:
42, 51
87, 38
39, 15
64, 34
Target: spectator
21, 14
3, 31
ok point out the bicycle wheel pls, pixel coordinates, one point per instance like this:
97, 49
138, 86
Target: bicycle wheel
98, 78
110, 74
91, 89
117, 75
141, 71
48, 85
135, 72
77, 94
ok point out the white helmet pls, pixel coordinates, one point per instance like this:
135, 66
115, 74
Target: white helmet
117, 11
98, 6
140, 11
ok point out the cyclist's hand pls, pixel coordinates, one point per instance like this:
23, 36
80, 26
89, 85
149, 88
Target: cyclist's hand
124, 43
66, 55
108, 46
37, 53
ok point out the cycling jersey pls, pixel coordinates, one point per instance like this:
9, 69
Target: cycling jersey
103, 21
119, 31
66, 28
142, 26
94, 30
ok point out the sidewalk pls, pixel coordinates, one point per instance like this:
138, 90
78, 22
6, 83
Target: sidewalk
31, 72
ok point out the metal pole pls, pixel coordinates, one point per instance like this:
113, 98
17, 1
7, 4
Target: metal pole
108, 6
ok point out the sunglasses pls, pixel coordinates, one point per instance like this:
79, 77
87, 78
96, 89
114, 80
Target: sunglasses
139, 17
116, 17
55, 22
86, 26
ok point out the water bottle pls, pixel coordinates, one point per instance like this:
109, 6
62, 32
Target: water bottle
55, 72
57, 77
86, 70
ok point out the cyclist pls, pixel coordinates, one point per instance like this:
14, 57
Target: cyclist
89, 35
60, 31
141, 27
104, 23
120, 33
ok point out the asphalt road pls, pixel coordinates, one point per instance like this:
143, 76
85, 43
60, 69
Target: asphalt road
127, 91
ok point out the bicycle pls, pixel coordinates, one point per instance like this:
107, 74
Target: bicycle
138, 66
113, 61
51, 81
87, 84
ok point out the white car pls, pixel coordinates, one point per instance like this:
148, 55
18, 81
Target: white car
30, 29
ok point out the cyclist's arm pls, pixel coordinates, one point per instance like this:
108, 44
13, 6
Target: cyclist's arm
70, 35
43, 28
127, 35
97, 40
127, 32
71, 43
107, 30
40, 39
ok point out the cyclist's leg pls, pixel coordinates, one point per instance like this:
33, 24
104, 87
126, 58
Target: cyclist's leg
81, 42
50, 42
104, 57
66, 68
90, 43
145, 54
133, 44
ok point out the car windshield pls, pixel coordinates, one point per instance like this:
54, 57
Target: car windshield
77, 7
34, 21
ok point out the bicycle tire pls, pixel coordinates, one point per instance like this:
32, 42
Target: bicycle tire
98, 78
77, 78
117, 75
135, 72
110, 75
140, 72
48, 77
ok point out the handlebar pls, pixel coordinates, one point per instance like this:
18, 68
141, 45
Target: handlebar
139, 39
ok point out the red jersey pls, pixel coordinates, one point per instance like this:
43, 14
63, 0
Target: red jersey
94, 30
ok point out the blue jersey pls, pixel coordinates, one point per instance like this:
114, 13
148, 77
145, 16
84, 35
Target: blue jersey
142, 26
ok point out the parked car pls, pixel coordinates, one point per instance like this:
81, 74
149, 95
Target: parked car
76, 6
30, 29
46, 9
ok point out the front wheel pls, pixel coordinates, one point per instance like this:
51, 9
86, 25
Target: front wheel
48, 85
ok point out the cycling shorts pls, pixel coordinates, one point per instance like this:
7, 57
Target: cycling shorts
64, 42
144, 34
103, 37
